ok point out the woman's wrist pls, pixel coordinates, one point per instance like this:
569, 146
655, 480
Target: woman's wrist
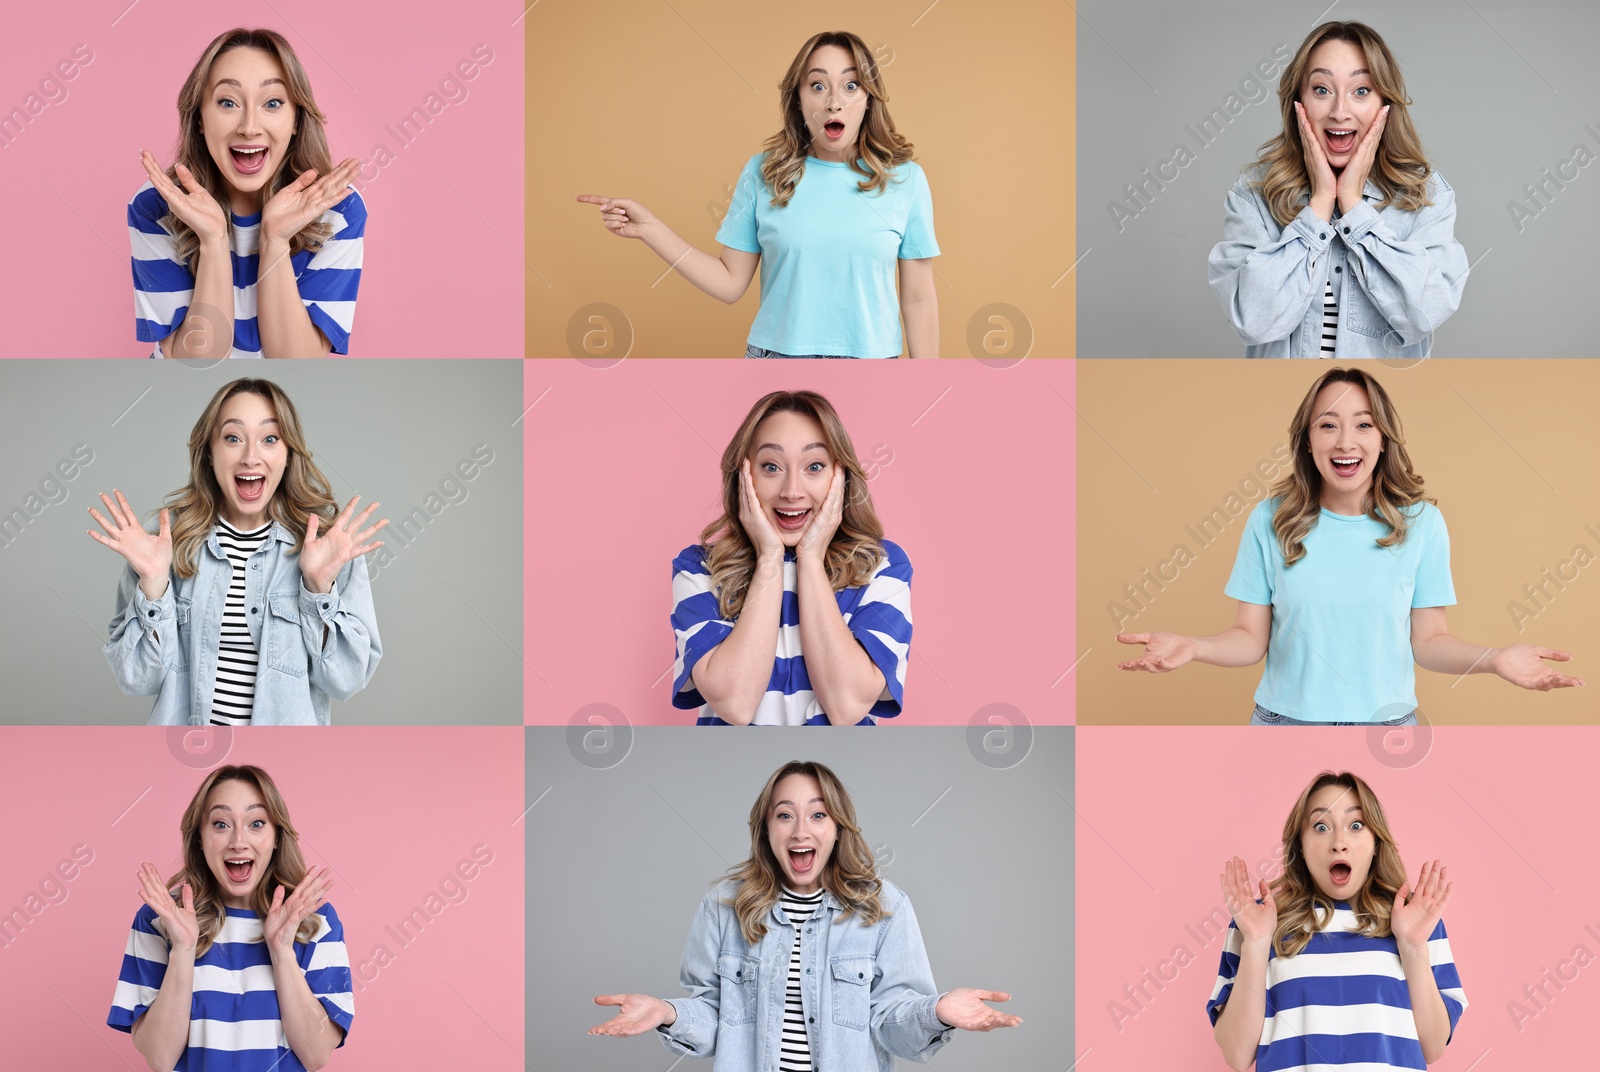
670, 1016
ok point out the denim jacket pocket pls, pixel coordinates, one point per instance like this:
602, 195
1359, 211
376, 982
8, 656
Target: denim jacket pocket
1361, 316
737, 999
286, 651
852, 990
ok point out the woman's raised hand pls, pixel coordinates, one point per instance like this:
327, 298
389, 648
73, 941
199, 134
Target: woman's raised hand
825, 522
193, 203
150, 554
284, 915
1522, 665
638, 1013
179, 921
1324, 184
1412, 920
964, 1007
303, 201
754, 519
1162, 651
1255, 921
622, 217
323, 555
1353, 179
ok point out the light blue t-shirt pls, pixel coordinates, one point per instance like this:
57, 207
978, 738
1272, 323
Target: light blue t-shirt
829, 257
1340, 649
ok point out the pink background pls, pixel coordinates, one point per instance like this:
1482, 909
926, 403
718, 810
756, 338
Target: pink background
443, 270
622, 473
391, 810
1161, 810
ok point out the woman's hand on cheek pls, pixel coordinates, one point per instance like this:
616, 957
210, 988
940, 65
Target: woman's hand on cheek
1353, 180
1324, 186
824, 523
756, 524
303, 201
192, 204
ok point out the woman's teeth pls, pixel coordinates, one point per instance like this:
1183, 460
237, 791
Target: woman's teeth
791, 519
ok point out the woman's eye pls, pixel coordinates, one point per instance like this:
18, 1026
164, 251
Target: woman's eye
270, 439
1358, 825
817, 87
274, 104
1317, 91
852, 86
1363, 91
225, 103
1321, 828
816, 467
769, 467
819, 815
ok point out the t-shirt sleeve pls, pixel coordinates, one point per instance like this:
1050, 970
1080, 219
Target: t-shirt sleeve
918, 240
1434, 587
326, 962
1445, 976
738, 229
1227, 971
696, 622
881, 623
144, 966
330, 280
162, 284
1251, 580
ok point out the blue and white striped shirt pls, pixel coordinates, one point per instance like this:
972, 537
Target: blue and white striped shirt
878, 614
1341, 1003
163, 286
234, 1022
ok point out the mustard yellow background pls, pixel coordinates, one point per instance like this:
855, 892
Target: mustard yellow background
1507, 447
663, 103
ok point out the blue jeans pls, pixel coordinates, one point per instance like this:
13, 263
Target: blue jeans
1262, 717
756, 351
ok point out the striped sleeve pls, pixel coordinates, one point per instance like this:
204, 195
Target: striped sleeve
696, 622
1445, 975
162, 284
330, 279
1227, 971
881, 623
326, 962
144, 965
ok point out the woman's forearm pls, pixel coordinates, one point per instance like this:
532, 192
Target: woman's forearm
285, 325
310, 1034
713, 275
1446, 653
922, 327
843, 676
1238, 1028
1231, 647
207, 328
162, 1033
1427, 1005
733, 676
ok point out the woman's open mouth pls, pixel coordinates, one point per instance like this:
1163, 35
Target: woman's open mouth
1339, 874
833, 129
250, 487
1340, 140
801, 861
1346, 467
792, 520
239, 871
248, 159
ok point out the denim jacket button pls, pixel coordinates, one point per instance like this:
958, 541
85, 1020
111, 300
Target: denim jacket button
324, 606
1347, 230
1338, 268
152, 613
808, 971
255, 565
1323, 235
254, 609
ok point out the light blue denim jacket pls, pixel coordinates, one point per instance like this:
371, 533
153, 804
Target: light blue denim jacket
867, 991
1407, 269
168, 647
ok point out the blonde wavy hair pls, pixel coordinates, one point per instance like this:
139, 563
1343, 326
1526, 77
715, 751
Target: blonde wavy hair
856, 547
851, 873
287, 867
1400, 169
308, 147
302, 492
1303, 909
1395, 485
879, 146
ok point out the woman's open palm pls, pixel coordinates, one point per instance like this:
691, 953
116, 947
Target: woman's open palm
638, 1013
149, 553
1254, 920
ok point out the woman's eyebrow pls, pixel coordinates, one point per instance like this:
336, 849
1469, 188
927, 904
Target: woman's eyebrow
235, 82
1358, 72
1357, 413
823, 70
235, 420
808, 446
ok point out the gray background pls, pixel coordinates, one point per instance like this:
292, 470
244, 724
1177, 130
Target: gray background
387, 430
619, 858
1501, 92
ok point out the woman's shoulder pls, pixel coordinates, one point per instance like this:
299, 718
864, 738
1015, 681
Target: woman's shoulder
893, 555
891, 896
146, 207
1249, 181
691, 559
1437, 187
352, 212
1423, 514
